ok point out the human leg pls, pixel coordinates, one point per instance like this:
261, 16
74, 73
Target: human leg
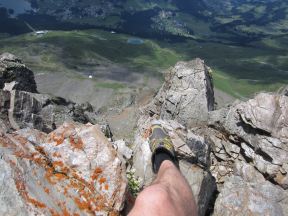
170, 193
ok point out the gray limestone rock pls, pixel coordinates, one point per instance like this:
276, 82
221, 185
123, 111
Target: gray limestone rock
248, 173
9, 58
187, 94
201, 182
43, 112
74, 170
12, 69
265, 115
259, 128
239, 197
268, 113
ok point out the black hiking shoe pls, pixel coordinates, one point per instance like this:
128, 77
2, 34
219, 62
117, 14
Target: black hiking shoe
160, 144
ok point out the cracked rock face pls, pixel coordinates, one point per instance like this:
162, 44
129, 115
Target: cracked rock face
13, 70
258, 129
72, 170
43, 112
21, 106
249, 155
187, 94
241, 198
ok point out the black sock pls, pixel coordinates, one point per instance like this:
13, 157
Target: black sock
159, 158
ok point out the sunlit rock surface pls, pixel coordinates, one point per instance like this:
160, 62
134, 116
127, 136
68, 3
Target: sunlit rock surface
249, 160
74, 170
257, 131
187, 94
242, 198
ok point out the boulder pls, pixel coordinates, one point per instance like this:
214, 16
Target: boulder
43, 112
239, 197
258, 130
13, 70
186, 96
74, 170
202, 184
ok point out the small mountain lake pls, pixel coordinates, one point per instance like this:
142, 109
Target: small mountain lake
135, 41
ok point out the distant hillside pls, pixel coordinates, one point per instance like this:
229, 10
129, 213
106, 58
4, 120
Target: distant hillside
228, 20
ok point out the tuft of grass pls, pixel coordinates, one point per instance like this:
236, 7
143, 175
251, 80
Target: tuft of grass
241, 88
109, 85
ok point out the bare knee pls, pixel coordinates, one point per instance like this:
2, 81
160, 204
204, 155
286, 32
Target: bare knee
156, 194
154, 200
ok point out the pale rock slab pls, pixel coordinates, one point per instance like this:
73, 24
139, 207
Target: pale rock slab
239, 197
260, 128
72, 170
187, 94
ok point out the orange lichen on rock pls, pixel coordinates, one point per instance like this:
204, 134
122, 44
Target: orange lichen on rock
106, 187
82, 205
56, 154
65, 191
3, 142
53, 213
58, 163
74, 184
98, 171
76, 142
59, 139
53, 176
19, 154
49, 175
22, 190
60, 176
88, 198
102, 180
34, 154
47, 190
36, 203
65, 212
38, 160
13, 163
21, 139
82, 182
60, 167
41, 150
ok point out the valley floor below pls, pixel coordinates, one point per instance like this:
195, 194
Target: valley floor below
95, 65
